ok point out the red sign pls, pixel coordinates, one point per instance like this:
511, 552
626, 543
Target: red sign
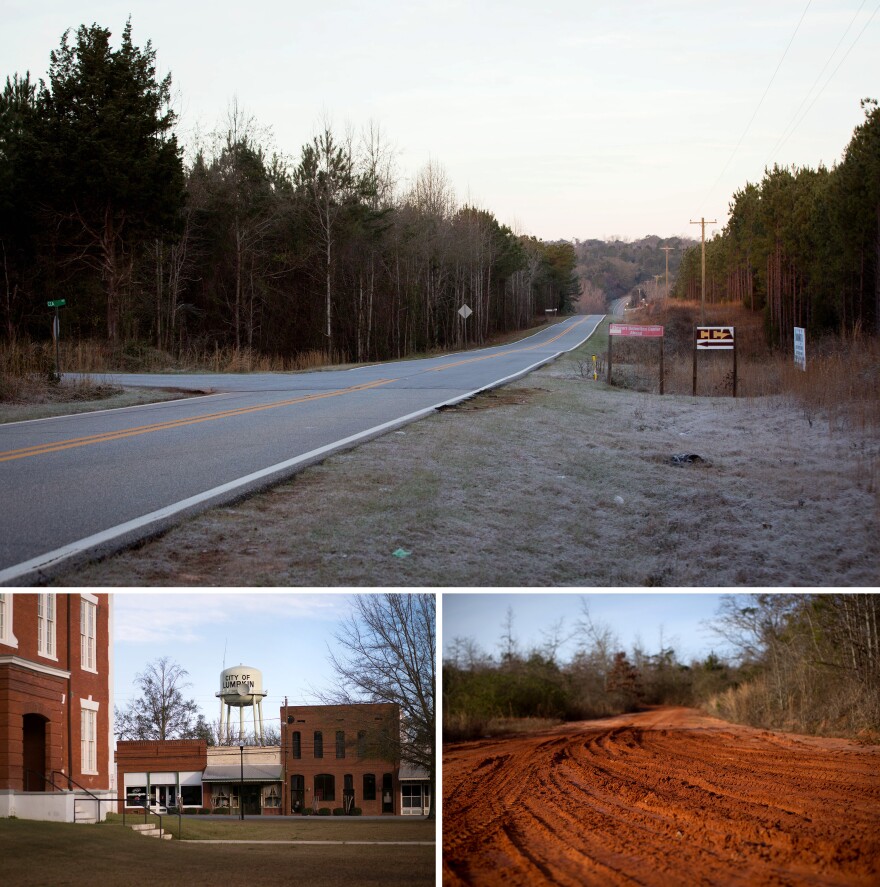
625, 329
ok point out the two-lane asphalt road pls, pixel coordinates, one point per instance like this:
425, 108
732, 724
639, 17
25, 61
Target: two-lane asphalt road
98, 481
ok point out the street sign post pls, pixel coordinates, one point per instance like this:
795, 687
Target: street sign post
800, 347
56, 334
714, 338
635, 331
465, 312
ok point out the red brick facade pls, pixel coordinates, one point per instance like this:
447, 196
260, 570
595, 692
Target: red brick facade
44, 692
354, 756
154, 756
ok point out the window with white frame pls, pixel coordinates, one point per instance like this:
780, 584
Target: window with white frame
6, 636
88, 620
46, 625
89, 736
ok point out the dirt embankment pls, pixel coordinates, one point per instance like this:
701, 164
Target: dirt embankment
660, 798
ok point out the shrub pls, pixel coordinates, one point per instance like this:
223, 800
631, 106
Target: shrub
324, 811
338, 811
356, 811
221, 811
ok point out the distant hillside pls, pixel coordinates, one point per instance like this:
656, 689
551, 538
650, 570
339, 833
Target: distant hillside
614, 268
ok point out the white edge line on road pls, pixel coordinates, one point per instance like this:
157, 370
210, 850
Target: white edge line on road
52, 559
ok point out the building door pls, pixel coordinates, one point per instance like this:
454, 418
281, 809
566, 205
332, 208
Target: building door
34, 763
251, 799
297, 793
348, 794
387, 793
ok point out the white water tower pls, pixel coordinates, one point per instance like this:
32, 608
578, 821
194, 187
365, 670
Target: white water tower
241, 687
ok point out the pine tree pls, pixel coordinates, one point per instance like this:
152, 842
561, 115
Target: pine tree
113, 171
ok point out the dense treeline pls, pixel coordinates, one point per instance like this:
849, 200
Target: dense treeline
809, 663
242, 247
799, 662
614, 268
803, 246
600, 679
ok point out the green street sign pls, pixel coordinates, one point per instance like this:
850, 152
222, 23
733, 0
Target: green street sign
57, 303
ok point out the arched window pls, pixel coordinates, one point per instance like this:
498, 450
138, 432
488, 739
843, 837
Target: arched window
369, 786
340, 743
319, 744
297, 793
325, 787
296, 744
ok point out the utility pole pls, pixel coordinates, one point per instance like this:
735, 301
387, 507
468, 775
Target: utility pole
702, 223
666, 250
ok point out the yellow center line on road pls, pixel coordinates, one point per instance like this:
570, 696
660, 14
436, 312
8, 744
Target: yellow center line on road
550, 341
57, 446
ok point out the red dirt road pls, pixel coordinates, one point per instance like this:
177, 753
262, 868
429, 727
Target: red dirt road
665, 797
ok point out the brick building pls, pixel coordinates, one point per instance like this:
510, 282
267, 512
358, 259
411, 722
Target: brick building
56, 712
331, 756
341, 756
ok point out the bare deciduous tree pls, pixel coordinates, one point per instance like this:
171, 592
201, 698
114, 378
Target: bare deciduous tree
161, 712
391, 646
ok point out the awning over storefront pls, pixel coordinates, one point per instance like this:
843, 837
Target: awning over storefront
233, 773
412, 772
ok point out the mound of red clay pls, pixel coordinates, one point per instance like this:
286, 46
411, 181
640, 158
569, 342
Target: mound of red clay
661, 798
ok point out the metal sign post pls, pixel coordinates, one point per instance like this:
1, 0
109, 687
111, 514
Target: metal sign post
56, 334
465, 313
638, 332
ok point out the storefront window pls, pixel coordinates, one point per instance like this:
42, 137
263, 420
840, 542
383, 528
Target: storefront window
191, 795
135, 796
325, 787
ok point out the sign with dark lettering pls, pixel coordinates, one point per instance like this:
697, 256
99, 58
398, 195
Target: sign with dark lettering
714, 338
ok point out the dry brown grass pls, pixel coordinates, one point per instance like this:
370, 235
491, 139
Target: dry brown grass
841, 381
40, 853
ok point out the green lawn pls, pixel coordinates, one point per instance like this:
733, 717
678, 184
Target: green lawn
38, 854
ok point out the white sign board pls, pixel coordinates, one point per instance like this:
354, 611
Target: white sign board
800, 347
465, 312
715, 338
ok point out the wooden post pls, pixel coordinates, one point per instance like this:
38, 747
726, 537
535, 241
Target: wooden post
610, 337
695, 361
734, 363
661, 364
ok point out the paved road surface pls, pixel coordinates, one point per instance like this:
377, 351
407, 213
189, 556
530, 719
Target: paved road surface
95, 482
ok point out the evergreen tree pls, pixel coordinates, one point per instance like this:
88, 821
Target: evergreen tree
113, 172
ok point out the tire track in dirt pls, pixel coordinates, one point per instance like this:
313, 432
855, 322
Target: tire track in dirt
659, 798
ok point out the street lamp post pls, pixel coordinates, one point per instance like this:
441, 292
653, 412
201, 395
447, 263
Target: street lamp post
241, 785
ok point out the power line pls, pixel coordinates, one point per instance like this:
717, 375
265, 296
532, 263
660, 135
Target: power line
781, 144
755, 114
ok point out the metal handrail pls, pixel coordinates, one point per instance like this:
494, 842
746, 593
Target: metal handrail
99, 801
42, 776
81, 787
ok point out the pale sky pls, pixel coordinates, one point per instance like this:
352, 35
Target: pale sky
286, 635
567, 119
651, 620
